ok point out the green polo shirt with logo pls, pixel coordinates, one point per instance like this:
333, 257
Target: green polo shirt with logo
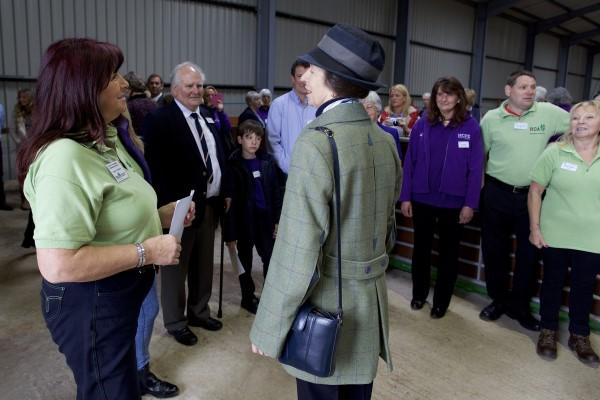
76, 200
513, 143
570, 217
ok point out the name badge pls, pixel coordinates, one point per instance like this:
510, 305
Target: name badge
568, 166
117, 170
521, 125
463, 144
210, 120
256, 174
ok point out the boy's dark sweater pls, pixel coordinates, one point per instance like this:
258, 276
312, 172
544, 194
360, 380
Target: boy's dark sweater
238, 184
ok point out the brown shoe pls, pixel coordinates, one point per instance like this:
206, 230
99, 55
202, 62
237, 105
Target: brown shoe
546, 345
583, 348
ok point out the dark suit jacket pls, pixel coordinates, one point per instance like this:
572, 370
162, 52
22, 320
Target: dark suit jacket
174, 159
248, 114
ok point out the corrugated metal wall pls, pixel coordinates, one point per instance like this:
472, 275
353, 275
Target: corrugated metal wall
433, 52
153, 34
295, 37
375, 16
157, 34
432, 21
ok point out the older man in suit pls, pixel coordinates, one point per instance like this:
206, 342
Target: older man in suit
185, 152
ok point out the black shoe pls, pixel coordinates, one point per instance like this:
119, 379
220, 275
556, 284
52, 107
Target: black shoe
5, 207
250, 305
209, 324
525, 319
438, 312
417, 304
152, 385
184, 336
492, 312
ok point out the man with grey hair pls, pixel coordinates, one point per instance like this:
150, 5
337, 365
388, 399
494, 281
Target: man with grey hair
251, 112
560, 96
540, 93
185, 152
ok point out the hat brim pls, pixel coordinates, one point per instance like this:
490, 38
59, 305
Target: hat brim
319, 58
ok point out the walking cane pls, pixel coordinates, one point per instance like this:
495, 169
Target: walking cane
220, 311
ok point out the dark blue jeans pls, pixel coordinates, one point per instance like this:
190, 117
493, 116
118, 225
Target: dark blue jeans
584, 267
94, 326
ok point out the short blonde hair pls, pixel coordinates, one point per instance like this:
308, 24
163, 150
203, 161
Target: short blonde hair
404, 90
567, 138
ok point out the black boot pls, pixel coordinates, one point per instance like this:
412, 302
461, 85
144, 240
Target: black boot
150, 384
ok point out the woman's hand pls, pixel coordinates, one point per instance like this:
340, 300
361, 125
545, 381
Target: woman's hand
227, 204
162, 250
256, 350
406, 209
166, 214
466, 215
536, 238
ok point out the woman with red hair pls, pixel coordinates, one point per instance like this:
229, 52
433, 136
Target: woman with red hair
98, 232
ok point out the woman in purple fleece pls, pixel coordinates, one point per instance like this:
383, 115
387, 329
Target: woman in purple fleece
443, 169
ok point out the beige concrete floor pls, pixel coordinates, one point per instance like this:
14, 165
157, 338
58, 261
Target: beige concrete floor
457, 357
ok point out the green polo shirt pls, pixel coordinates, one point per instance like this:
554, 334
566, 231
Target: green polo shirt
514, 143
77, 201
570, 216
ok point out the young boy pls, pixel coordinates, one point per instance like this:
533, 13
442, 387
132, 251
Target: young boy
253, 188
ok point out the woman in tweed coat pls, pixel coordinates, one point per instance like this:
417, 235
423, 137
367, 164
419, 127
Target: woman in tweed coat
344, 67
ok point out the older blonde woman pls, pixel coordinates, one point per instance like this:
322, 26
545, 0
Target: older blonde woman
399, 111
566, 225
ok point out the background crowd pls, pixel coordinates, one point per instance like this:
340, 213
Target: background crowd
135, 142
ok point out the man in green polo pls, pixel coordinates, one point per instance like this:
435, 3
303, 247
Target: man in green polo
515, 134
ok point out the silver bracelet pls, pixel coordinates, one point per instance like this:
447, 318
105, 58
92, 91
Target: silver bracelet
141, 252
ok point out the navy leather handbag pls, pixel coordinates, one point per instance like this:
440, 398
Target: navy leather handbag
312, 341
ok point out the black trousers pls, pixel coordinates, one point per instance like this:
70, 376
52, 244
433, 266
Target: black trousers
262, 238
94, 325
584, 267
504, 212
315, 391
425, 218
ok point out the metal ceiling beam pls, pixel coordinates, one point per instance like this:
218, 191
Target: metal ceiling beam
589, 68
478, 57
530, 47
579, 37
563, 62
495, 7
545, 25
265, 45
402, 54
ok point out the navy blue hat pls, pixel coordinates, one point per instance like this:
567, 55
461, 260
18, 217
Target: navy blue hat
349, 53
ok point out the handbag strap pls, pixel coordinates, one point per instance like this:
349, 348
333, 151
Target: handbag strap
336, 206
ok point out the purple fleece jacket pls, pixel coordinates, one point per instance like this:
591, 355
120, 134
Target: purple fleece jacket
462, 166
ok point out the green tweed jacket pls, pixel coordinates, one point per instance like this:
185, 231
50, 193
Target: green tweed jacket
370, 183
